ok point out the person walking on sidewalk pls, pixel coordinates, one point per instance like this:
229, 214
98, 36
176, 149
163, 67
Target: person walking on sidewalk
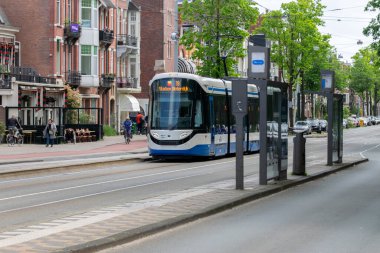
49, 132
139, 122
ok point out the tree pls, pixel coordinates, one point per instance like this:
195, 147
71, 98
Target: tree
294, 31
223, 25
373, 28
364, 75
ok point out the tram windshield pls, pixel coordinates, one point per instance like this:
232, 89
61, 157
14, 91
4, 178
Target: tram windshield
176, 104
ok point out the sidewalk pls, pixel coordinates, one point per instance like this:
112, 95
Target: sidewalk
37, 156
114, 225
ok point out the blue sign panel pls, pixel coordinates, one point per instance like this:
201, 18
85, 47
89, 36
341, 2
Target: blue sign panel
74, 28
258, 62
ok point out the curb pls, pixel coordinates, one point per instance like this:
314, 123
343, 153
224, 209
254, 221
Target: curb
131, 235
51, 167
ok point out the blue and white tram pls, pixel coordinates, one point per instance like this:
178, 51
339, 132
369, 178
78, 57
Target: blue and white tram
190, 115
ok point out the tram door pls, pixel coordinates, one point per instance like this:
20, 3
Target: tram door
212, 125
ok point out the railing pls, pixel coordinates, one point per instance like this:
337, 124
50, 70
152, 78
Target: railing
127, 40
127, 82
106, 80
73, 78
106, 36
26, 74
5, 82
34, 79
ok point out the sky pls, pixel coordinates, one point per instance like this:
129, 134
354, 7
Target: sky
344, 20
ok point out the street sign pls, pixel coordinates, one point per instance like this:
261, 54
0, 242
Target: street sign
258, 58
327, 80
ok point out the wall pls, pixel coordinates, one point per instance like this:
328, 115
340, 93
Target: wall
35, 19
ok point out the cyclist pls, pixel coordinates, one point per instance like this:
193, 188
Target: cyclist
13, 125
127, 129
14, 130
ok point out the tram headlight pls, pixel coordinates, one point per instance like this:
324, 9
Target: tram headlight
184, 135
155, 135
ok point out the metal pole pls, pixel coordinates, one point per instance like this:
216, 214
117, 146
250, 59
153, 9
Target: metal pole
176, 40
330, 111
239, 153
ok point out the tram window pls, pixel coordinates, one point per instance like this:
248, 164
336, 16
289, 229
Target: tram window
198, 121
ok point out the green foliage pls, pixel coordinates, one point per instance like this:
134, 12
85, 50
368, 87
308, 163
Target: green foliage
220, 26
73, 97
2, 129
109, 131
346, 112
373, 28
297, 41
84, 118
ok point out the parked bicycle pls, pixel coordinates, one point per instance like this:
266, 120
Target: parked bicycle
14, 136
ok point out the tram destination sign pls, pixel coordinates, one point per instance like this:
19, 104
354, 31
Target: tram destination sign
173, 86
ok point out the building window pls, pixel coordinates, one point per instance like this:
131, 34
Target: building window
111, 20
169, 18
69, 6
86, 13
89, 60
169, 49
58, 58
58, 16
133, 16
132, 65
1, 100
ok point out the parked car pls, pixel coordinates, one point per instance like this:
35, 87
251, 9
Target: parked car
315, 125
377, 120
323, 124
302, 126
345, 123
353, 121
364, 121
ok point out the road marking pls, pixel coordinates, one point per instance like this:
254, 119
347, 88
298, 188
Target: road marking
69, 223
116, 180
362, 153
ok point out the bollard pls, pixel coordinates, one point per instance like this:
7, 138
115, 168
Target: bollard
299, 154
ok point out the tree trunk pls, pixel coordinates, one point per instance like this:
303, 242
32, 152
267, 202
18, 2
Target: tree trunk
367, 103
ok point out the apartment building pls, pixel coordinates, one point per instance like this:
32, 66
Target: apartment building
74, 42
9, 56
158, 19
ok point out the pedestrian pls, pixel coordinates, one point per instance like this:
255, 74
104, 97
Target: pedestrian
139, 122
49, 132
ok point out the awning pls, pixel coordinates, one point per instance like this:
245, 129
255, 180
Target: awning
186, 66
108, 3
128, 103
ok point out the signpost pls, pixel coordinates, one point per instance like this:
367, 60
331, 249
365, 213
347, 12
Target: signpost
239, 109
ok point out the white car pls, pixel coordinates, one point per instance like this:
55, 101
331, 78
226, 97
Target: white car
302, 126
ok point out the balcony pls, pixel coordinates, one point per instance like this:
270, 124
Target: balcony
126, 44
5, 82
128, 84
127, 40
73, 78
106, 81
106, 37
72, 32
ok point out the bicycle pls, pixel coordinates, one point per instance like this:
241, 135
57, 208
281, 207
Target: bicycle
127, 136
14, 137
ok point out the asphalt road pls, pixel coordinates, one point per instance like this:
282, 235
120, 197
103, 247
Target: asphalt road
339, 213
35, 198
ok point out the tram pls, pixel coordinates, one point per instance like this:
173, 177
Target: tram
190, 115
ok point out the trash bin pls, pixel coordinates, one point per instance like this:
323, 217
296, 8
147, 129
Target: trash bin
299, 154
